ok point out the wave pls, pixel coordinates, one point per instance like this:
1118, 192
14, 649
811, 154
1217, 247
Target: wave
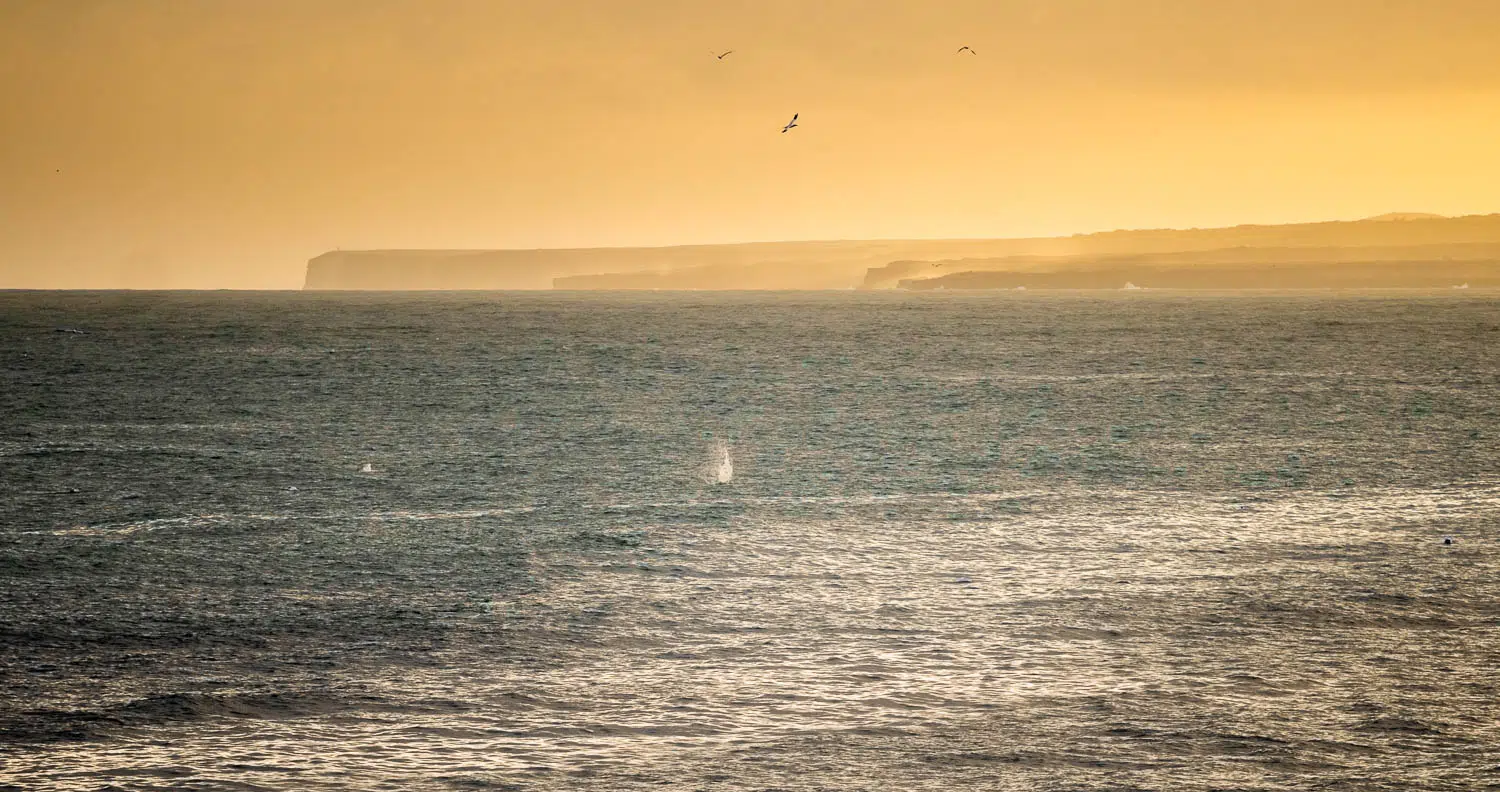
1164, 508
44, 725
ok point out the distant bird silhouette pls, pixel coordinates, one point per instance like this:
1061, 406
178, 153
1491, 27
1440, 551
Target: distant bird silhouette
723, 54
961, 49
790, 124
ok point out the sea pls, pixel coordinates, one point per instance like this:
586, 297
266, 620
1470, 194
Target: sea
1131, 540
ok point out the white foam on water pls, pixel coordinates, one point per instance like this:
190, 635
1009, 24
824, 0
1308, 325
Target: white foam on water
723, 465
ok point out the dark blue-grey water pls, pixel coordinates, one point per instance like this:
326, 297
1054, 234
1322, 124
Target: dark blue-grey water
749, 541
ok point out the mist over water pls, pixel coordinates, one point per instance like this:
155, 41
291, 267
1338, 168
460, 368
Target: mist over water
1124, 540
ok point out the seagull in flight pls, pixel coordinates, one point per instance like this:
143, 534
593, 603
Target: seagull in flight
723, 54
961, 49
790, 124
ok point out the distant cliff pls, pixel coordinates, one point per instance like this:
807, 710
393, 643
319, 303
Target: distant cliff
808, 275
1385, 230
1302, 275
878, 264
754, 265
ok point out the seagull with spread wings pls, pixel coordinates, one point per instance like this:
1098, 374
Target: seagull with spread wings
723, 54
961, 49
790, 124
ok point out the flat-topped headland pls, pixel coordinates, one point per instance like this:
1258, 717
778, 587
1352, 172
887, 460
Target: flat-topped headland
1396, 250
837, 264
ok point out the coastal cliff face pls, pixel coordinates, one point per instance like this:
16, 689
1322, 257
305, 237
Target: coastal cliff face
1355, 275
1412, 266
756, 265
1392, 250
808, 275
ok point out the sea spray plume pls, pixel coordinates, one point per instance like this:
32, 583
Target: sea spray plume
724, 470
720, 467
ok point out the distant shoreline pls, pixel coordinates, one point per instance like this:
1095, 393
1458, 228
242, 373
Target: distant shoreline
1405, 250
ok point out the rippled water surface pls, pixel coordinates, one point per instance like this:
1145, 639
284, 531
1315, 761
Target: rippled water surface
749, 541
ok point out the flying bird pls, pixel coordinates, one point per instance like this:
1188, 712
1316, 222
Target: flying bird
961, 49
790, 124
723, 54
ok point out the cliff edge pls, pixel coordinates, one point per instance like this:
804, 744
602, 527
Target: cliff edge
1391, 241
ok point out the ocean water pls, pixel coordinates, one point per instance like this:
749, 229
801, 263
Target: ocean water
1015, 541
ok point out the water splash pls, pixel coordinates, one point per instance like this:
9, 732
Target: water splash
721, 469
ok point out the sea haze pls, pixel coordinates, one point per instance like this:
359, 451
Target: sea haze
724, 541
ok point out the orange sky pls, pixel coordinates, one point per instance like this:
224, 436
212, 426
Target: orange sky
178, 143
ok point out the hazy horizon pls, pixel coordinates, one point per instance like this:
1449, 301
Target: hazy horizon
170, 145
936, 259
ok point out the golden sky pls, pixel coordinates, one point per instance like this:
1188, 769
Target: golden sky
205, 144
